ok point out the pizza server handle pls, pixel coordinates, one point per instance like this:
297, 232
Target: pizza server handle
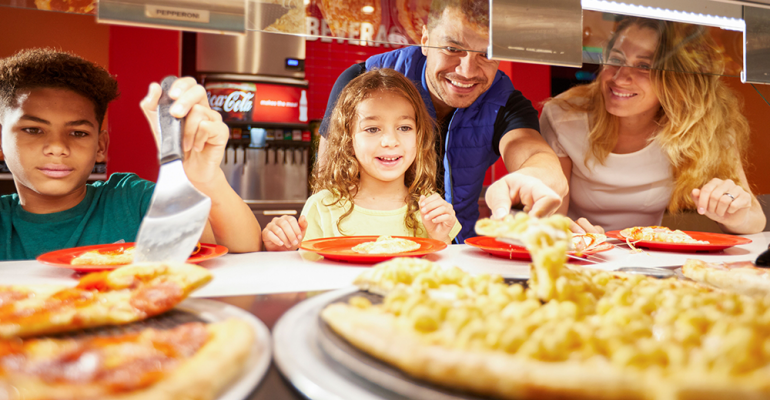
764, 259
170, 127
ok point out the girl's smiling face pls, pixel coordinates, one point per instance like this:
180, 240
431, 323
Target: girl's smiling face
384, 137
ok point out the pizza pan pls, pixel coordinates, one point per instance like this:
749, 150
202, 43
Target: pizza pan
201, 310
323, 366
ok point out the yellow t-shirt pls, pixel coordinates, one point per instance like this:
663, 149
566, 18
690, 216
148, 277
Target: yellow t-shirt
322, 220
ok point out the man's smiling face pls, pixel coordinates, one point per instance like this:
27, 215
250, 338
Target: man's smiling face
456, 78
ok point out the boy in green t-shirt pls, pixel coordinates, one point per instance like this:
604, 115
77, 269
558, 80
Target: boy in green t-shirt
52, 106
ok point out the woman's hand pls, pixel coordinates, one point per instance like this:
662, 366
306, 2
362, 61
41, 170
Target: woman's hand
582, 226
438, 216
284, 233
723, 201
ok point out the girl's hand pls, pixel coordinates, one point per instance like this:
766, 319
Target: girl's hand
582, 226
438, 216
723, 201
284, 233
204, 135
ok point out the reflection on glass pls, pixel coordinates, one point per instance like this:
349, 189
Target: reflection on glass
718, 51
656, 130
70, 6
366, 22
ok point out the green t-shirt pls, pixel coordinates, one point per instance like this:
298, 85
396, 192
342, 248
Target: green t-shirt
111, 211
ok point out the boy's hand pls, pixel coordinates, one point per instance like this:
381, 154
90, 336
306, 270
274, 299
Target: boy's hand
284, 233
438, 216
204, 134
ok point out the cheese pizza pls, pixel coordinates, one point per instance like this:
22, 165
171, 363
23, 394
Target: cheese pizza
122, 255
124, 295
658, 234
119, 256
386, 245
742, 277
574, 332
191, 361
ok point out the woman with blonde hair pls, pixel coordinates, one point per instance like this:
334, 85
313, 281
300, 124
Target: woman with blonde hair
379, 176
657, 129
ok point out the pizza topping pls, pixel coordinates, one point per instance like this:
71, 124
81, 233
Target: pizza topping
386, 245
115, 363
8, 295
156, 299
739, 264
120, 296
658, 234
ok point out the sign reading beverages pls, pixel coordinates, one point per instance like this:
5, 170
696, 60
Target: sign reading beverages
258, 102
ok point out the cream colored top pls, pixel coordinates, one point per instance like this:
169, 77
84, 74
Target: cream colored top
322, 220
628, 190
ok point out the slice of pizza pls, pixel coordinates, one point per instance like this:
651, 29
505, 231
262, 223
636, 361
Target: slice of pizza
587, 241
386, 245
658, 234
124, 295
741, 277
119, 256
191, 361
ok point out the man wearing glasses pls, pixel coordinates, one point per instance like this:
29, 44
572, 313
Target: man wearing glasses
480, 115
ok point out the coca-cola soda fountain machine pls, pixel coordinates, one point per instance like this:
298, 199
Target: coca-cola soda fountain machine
257, 82
266, 161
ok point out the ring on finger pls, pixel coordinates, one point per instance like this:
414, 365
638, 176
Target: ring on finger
729, 195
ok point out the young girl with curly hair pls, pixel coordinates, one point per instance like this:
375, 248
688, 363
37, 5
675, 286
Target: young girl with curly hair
379, 174
657, 129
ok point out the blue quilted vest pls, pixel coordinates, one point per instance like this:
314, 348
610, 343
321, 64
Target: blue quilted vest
468, 146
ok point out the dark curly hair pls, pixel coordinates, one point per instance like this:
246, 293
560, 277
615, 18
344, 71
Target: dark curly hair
475, 11
48, 68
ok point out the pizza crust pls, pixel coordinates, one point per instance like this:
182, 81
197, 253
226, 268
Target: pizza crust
750, 281
510, 377
201, 377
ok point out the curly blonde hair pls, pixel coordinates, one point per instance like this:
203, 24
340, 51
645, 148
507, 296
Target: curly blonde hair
340, 174
699, 118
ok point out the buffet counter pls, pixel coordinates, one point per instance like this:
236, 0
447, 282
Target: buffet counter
300, 271
267, 285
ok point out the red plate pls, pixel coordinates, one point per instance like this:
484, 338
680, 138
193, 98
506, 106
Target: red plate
62, 258
340, 248
717, 241
511, 252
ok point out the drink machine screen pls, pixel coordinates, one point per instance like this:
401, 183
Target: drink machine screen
250, 102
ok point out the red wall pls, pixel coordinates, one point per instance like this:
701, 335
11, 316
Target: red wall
138, 56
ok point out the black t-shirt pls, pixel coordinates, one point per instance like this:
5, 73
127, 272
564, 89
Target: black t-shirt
515, 114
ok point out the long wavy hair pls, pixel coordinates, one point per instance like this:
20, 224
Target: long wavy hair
699, 118
340, 173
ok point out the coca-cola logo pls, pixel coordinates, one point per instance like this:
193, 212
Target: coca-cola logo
237, 101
